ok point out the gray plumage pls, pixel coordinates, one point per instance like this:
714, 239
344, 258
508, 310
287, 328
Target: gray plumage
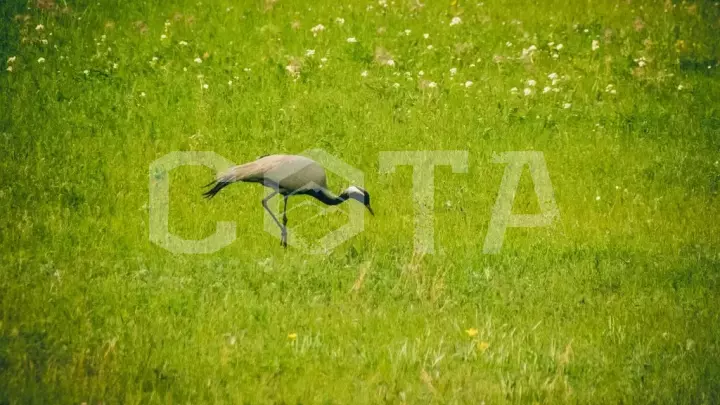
287, 175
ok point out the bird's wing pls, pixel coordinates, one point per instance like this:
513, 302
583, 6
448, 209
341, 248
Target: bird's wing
298, 174
253, 172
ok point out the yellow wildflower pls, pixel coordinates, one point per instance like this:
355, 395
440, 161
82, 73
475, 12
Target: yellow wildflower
292, 336
472, 332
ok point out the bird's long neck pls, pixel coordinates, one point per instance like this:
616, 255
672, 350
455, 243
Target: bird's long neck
327, 197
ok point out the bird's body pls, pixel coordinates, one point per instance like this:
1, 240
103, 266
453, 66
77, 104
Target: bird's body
287, 175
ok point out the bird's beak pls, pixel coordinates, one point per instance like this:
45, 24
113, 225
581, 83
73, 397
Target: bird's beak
371, 210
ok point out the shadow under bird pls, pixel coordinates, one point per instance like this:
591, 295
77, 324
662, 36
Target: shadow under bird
287, 175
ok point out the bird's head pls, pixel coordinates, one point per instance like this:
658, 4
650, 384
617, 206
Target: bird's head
359, 194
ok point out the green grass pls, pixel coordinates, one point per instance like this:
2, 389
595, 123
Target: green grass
616, 303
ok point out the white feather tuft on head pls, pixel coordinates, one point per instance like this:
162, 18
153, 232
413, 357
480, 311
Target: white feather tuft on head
354, 190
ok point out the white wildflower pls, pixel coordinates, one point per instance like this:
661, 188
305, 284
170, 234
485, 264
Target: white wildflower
527, 91
11, 59
432, 85
531, 83
41, 60
318, 28
546, 89
468, 83
408, 32
364, 73
205, 86
421, 73
86, 72
426, 36
352, 40
680, 87
396, 85
390, 62
198, 60
229, 82
163, 36
429, 47
182, 43
553, 76
293, 69
508, 44
597, 198
559, 47
528, 51
514, 90
323, 60
142, 94
39, 27
567, 105
455, 21
310, 52
9, 68
595, 45
340, 21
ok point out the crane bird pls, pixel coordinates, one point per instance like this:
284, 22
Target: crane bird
287, 175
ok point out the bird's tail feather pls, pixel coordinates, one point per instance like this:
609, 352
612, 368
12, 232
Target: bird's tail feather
219, 185
247, 172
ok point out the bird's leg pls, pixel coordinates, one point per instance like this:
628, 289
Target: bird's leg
284, 231
264, 203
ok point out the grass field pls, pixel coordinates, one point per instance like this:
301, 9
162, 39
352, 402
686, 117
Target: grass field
617, 302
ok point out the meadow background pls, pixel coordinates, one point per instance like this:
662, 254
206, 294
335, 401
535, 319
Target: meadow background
616, 303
